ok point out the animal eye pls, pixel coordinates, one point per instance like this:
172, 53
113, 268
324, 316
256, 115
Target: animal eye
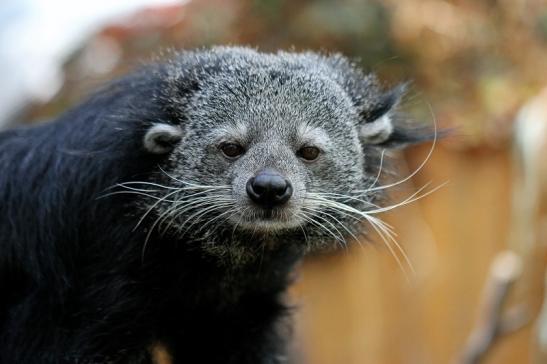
232, 150
308, 153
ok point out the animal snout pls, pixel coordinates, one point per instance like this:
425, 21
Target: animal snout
269, 188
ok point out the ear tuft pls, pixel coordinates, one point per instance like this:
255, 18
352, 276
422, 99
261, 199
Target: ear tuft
386, 102
161, 138
382, 127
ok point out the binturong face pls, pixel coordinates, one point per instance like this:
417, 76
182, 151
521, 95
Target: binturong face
270, 147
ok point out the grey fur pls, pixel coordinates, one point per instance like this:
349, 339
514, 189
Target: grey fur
133, 219
272, 104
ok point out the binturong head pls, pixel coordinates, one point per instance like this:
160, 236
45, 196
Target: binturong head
280, 148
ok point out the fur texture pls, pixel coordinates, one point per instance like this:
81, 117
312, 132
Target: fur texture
124, 225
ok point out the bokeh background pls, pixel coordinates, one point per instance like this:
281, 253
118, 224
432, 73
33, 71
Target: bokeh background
478, 67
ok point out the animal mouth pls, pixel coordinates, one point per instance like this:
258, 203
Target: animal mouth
268, 219
270, 214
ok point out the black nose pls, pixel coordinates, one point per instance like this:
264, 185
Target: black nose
269, 188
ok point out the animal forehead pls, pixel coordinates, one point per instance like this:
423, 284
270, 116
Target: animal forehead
291, 85
263, 95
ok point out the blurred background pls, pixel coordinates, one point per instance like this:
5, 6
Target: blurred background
476, 245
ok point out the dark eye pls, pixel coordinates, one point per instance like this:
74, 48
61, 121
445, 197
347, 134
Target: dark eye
308, 153
232, 150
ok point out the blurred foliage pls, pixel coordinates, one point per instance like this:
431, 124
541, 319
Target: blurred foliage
476, 62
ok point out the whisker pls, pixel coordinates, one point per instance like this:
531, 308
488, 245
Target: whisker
216, 218
342, 239
131, 193
197, 216
129, 184
311, 219
239, 221
428, 157
190, 200
146, 183
412, 198
391, 236
201, 201
152, 207
196, 203
298, 215
384, 230
379, 169
218, 225
163, 200
342, 196
343, 226
390, 248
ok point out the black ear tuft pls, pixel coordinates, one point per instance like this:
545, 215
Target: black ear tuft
382, 127
387, 101
404, 136
161, 138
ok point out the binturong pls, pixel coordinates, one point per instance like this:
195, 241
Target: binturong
171, 206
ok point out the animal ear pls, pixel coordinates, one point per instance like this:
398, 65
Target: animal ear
161, 138
377, 122
379, 126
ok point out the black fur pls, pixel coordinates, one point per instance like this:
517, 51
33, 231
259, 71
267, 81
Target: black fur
74, 285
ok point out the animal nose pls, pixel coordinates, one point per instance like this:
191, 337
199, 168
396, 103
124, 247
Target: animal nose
269, 188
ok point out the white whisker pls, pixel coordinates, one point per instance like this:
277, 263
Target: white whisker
379, 170
152, 208
311, 220
384, 230
340, 223
428, 157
